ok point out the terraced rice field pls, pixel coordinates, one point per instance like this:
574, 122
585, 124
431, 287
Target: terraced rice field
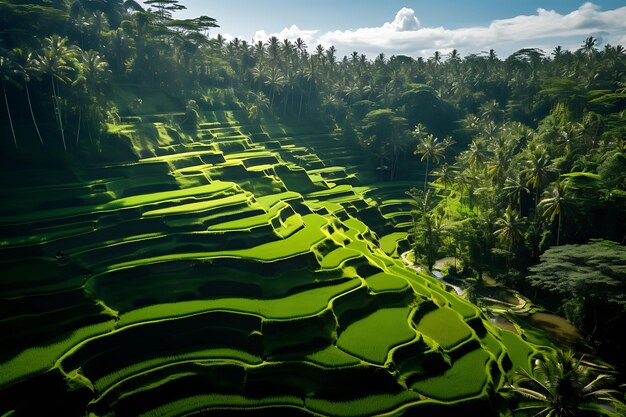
239, 268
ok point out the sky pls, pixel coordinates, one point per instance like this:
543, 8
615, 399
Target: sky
418, 28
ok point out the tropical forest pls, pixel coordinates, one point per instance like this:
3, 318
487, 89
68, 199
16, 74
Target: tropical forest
199, 224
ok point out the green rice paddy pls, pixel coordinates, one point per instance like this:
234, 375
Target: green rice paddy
242, 268
372, 337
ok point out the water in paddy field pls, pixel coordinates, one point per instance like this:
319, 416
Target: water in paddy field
557, 327
503, 323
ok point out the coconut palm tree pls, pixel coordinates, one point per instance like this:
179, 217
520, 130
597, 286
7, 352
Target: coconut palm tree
514, 187
561, 385
55, 59
429, 147
8, 73
491, 111
445, 176
498, 164
259, 73
276, 81
588, 48
301, 47
398, 142
510, 228
475, 154
92, 69
273, 48
555, 203
436, 58
538, 168
462, 182
27, 68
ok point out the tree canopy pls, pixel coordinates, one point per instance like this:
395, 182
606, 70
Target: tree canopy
596, 269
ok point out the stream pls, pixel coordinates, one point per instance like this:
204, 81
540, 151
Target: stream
435, 273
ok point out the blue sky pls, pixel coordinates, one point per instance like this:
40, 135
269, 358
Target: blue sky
418, 28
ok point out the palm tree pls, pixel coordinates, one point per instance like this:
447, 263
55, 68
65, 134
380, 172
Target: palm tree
27, 66
445, 175
498, 164
259, 73
463, 183
258, 105
289, 84
588, 48
7, 74
54, 60
429, 147
436, 58
560, 385
273, 48
119, 49
276, 81
301, 46
514, 187
454, 56
474, 156
310, 75
538, 168
92, 70
491, 111
398, 142
447, 143
567, 137
330, 56
555, 203
510, 228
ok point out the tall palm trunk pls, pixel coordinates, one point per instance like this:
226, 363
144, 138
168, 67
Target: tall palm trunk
57, 105
558, 231
285, 103
32, 114
426, 174
6, 102
79, 121
536, 200
300, 106
308, 97
394, 164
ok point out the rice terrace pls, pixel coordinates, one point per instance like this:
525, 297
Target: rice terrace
196, 224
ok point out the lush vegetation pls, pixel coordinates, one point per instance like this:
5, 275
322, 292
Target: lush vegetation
192, 225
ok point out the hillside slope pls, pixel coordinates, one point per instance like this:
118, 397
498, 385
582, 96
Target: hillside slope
234, 268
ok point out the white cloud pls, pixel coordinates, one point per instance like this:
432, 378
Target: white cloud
405, 34
292, 33
405, 20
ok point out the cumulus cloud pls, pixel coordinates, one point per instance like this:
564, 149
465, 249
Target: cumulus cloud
405, 20
406, 35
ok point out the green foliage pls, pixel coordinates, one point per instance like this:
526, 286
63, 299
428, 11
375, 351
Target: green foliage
596, 270
613, 170
561, 385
